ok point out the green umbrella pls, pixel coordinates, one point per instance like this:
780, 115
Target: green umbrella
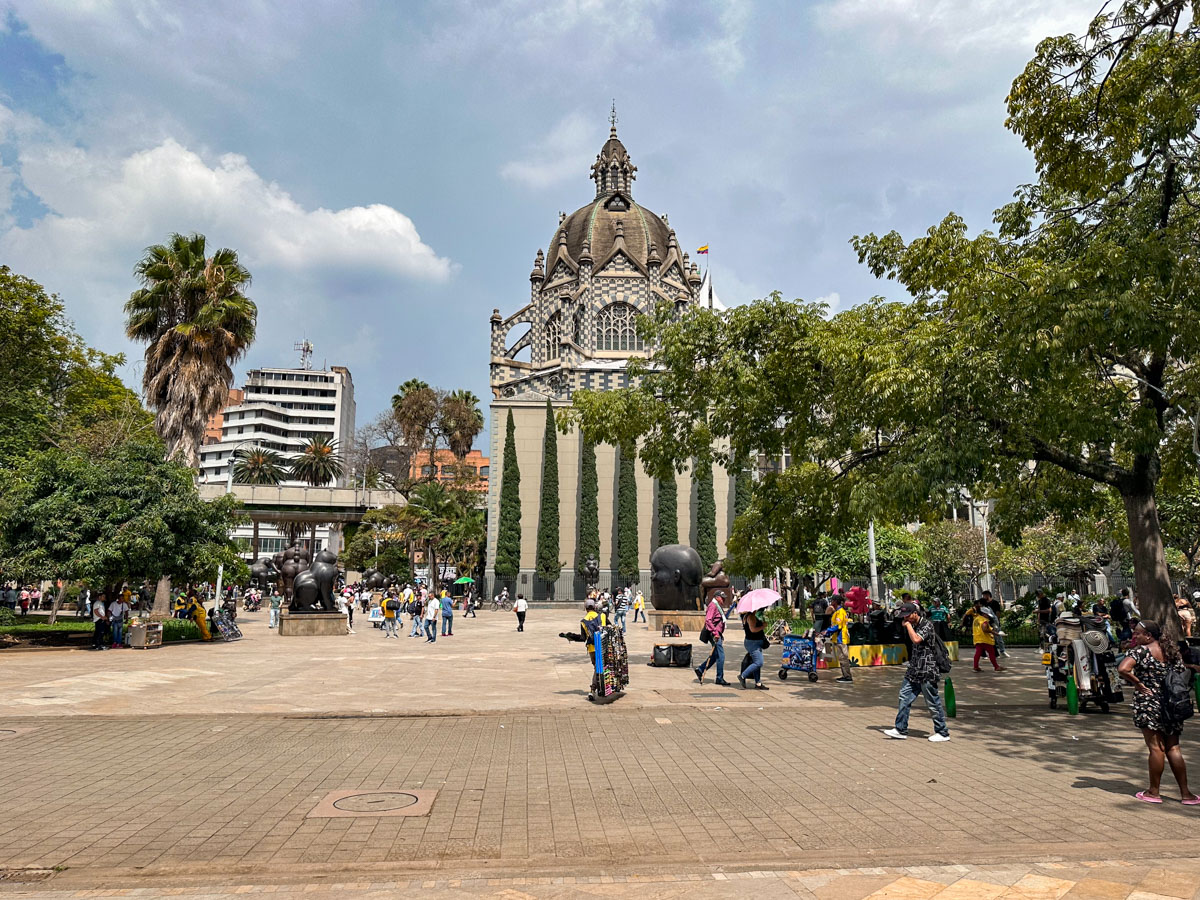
465, 580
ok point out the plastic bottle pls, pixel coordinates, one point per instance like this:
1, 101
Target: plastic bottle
1072, 695
951, 703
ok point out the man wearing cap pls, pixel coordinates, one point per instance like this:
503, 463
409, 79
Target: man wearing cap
921, 677
593, 619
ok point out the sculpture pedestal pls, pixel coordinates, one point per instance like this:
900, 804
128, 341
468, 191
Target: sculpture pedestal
688, 620
311, 624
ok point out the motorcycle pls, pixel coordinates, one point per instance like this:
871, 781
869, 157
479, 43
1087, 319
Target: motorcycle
1081, 647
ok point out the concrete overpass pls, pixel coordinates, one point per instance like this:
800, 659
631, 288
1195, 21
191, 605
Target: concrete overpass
331, 505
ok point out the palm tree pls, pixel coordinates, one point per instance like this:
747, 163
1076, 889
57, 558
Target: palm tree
318, 463
257, 465
196, 321
461, 421
427, 520
415, 408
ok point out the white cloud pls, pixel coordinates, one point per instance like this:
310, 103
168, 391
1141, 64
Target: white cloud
565, 152
101, 207
833, 300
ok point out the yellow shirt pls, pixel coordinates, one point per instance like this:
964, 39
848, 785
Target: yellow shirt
841, 621
980, 635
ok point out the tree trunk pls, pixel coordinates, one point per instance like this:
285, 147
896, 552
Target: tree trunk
1150, 562
431, 557
162, 598
54, 607
254, 542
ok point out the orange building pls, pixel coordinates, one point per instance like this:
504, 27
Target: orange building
212, 431
473, 469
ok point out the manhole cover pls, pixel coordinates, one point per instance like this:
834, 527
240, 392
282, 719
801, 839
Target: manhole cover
375, 803
350, 803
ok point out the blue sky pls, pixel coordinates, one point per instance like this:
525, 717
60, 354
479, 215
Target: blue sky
388, 171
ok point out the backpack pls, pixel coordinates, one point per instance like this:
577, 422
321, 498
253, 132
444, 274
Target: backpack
671, 630
1177, 695
942, 656
392, 604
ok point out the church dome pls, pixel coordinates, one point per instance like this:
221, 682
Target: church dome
612, 211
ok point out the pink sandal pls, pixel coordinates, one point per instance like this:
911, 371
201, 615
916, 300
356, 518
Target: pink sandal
1146, 798
1195, 801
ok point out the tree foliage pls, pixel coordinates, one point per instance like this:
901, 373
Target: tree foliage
1059, 347
57, 391
508, 541
951, 557
318, 462
897, 554
668, 511
588, 543
628, 554
126, 515
196, 321
424, 418
548, 564
706, 510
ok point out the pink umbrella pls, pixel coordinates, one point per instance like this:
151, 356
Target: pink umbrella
756, 600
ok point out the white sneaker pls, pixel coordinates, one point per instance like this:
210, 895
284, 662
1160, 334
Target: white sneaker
895, 735
936, 738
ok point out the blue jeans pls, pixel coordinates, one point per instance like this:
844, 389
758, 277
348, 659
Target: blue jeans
639, 612
754, 648
431, 630
619, 619
717, 658
929, 690
118, 631
391, 627
417, 626
273, 619
447, 624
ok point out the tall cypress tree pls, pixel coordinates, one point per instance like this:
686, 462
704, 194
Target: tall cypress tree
588, 544
668, 511
548, 563
706, 511
508, 542
628, 565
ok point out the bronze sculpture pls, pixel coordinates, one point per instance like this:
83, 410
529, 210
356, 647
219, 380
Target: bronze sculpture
715, 580
675, 573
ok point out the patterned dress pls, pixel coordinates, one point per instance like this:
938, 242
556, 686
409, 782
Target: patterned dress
1147, 708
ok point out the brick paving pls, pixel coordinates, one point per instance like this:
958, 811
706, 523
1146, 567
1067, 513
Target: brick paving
674, 786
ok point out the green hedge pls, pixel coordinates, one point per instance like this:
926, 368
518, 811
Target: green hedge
44, 628
180, 630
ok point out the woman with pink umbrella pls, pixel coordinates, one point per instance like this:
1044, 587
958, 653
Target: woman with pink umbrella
756, 638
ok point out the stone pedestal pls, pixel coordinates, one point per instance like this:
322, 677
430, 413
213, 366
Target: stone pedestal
311, 624
688, 620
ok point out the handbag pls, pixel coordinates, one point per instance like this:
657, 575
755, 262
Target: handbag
705, 635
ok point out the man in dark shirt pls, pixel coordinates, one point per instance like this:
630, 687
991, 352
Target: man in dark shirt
922, 675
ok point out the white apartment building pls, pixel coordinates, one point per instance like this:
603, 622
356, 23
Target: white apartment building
281, 409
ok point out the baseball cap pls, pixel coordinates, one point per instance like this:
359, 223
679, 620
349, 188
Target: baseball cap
907, 609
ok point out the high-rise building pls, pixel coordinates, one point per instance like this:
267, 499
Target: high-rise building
281, 410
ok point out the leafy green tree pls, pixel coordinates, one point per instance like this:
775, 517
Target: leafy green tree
196, 321
548, 564
951, 557
1179, 511
706, 511
1060, 346
258, 465
1057, 550
57, 391
897, 554
668, 511
383, 525
508, 540
628, 553
124, 516
588, 544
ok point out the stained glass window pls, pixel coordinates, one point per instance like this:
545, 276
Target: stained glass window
616, 328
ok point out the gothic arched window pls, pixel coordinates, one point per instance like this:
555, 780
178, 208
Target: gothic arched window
553, 335
577, 327
616, 328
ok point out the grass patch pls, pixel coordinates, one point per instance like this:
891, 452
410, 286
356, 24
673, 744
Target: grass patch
45, 628
180, 630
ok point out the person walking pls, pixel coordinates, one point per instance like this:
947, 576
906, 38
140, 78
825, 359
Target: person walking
939, 615
992, 608
118, 612
755, 642
431, 614
470, 605
621, 608
714, 621
921, 676
447, 614
839, 628
639, 606
982, 633
275, 603
521, 606
391, 616
1146, 667
100, 630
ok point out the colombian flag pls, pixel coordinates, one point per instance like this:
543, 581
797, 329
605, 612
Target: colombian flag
703, 249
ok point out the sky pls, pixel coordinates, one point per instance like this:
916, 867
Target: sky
388, 171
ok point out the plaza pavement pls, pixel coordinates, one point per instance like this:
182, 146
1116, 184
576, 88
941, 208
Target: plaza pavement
193, 769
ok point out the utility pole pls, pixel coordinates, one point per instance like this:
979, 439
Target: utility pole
875, 591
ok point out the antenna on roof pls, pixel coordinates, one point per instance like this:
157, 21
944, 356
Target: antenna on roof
612, 116
305, 349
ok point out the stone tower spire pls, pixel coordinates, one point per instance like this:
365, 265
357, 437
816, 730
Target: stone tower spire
613, 171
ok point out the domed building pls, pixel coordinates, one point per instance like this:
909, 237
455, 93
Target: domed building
607, 263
